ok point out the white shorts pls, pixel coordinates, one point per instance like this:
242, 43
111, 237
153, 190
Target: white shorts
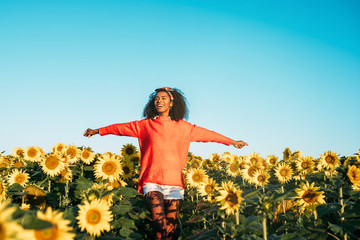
169, 192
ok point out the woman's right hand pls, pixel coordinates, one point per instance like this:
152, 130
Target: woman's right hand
89, 132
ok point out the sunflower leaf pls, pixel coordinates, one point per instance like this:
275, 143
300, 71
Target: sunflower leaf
29, 221
128, 192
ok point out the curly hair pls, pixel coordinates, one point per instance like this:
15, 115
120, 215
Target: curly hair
178, 111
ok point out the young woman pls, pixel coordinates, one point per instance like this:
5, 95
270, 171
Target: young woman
164, 139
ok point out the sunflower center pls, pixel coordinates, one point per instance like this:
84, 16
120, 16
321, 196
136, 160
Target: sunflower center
273, 161
46, 234
108, 168
329, 159
196, 178
86, 154
19, 164
71, 152
129, 151
209, 189
253, 160
252, 171
232, 199
126, 170
261, 178
309, 196
233, 167
19, 152
32, 152
283, 172
305, 165
52, 162
20, 179
93, 216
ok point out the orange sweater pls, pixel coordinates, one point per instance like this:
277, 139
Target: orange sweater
164, 146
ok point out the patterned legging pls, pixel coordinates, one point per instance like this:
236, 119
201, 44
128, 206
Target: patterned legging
164, 213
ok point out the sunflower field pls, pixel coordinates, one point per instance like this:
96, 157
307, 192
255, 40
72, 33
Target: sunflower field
72, 192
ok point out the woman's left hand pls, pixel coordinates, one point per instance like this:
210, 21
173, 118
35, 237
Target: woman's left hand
239, 144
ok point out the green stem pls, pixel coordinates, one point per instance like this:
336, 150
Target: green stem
237, 217
264, 228
342, 212
49, 187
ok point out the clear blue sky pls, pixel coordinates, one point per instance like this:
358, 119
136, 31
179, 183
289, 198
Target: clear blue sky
275, 74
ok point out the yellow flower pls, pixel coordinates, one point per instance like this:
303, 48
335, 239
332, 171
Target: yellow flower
128, 151
9, 229
272, 160
329, 160
52, 164
196, 176
127, 169
227, 157
32, 154
87, 156
2, 190
73, 152
60, 229
59, 147
65, 174
94, 217
261, 178
283, 172
308, 196
108, 167
230, 198
297, 154
354, 175
18, 152
207, 187
254, 158
207, 163
233, 168
248, 173
20, 177
19, 164
287, 154
35, 196
5, 162
305, 164
117, 183
215, 158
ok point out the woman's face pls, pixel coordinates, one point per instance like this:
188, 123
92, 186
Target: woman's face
163, 103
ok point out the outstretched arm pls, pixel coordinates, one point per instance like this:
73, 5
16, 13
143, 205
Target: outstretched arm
89, 132
239, 144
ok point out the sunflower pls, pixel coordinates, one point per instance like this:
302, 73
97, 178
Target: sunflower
128, 151
127, 169
233, 169
308, 196
87, 156
207, 163
59, 148
297, 154
19, 164
354, 175
117, 183
230, 198
248, 173
65, 174
253, 158
52, 164
2, 190
305, 164
20, 177
73, 152
329, 160
35, 196
32, 154
108, 168
59, 230
287, 154
283, 172
227, 157
207, 187
9, 229
18, 152
215, 158
4, 162
94, 217
195, 177
261, 178
272, 160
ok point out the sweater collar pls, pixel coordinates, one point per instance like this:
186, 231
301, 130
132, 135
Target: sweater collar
162, 118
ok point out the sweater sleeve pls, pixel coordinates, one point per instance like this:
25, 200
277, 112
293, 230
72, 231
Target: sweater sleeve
199, 134
131, 129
